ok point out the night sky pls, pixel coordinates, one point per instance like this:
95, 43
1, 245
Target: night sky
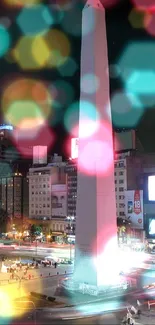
120, 32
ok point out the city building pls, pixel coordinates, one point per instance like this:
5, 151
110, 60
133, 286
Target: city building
48, 196
40, 190
14, 198
71, 172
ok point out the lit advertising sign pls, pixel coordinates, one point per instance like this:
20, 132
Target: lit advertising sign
151, 188
134, 208
40, 155
150, 227
74, 148
6, 127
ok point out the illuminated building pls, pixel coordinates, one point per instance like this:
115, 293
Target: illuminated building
14, 197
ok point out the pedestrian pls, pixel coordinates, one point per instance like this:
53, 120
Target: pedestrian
29, 276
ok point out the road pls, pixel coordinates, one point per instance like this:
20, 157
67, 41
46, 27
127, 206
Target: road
40, 318
38, 251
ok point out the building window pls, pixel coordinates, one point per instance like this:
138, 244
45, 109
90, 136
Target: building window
121, 181
121, 205
115, 181
121, 189
121, 173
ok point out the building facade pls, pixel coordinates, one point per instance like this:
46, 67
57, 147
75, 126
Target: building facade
41, 180
71, 180
14, 197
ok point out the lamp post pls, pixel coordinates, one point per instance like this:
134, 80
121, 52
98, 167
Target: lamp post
20, 235
70, 232
48, 238
36, 247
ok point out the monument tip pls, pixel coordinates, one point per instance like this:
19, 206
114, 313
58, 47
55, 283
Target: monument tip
94, 3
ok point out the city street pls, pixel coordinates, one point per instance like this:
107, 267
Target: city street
56, 252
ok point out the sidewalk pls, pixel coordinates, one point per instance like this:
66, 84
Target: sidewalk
42, 272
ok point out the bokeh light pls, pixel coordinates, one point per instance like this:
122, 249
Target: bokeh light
136, 18
21, 3
124, 114
9, 299
149, 23
143, 4
25, 114
71, 22
89, 83
114, 71
97, 153
38, 14
139, 51
56, 13
59, 48
5, 21
26, 100
141, 82
89, 118
31, 53
62, 94
25, 139
69, 68
5, 40
5, 169
62, 4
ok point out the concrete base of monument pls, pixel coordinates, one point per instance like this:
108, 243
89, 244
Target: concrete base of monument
77, 293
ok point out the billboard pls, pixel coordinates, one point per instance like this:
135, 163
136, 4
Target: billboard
124, 140
59, 200
150, 227
74, 148
6, 127
151, 188
39, 155
134, 208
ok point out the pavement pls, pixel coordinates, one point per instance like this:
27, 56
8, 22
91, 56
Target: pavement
37, 274
45, 280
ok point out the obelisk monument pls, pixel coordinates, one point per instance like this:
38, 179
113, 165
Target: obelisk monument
96, 206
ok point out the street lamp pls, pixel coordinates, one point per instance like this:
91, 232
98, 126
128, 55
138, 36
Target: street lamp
19, 235
70, 232
48, 238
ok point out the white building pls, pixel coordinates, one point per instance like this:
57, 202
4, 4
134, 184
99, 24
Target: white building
120, 186
41, 180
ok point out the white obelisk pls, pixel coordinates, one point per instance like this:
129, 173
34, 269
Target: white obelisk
96, 206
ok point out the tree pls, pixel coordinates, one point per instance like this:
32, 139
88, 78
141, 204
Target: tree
122, 226
35, 230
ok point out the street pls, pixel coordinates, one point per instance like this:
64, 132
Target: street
39, 251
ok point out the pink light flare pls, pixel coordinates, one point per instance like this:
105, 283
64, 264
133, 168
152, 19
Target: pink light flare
144, 4
149, 22
86, 129
25, 139
96, 154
